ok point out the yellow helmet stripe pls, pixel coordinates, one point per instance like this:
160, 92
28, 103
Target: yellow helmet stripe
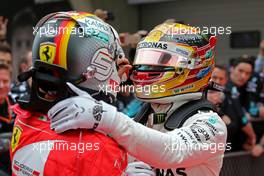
64, 43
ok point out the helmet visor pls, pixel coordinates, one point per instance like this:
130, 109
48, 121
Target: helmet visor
161, 58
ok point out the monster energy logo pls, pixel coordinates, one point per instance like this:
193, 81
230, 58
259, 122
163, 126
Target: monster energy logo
159, 118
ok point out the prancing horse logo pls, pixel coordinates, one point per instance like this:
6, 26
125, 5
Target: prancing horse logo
47, 52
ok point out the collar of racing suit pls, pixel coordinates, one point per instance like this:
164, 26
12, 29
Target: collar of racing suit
161, 112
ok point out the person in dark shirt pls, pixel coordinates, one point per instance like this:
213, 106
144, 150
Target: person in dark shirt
229, 108
245, 84
6, 117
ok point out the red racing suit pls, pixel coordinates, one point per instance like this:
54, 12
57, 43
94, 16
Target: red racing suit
37, 150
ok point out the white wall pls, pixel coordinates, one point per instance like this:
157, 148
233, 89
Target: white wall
241, 15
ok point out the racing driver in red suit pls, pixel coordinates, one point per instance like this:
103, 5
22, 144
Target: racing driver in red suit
68, 47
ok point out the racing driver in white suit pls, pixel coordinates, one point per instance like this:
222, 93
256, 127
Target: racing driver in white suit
179, 133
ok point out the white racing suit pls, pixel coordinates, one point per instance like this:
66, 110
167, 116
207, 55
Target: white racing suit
195, 149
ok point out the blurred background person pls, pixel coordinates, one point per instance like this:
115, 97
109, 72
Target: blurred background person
240, 74
259, 63
246, 84
5, 53
229, 108
20, 89
6, 117
243, 84
252, 90
5, 100
259, 68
